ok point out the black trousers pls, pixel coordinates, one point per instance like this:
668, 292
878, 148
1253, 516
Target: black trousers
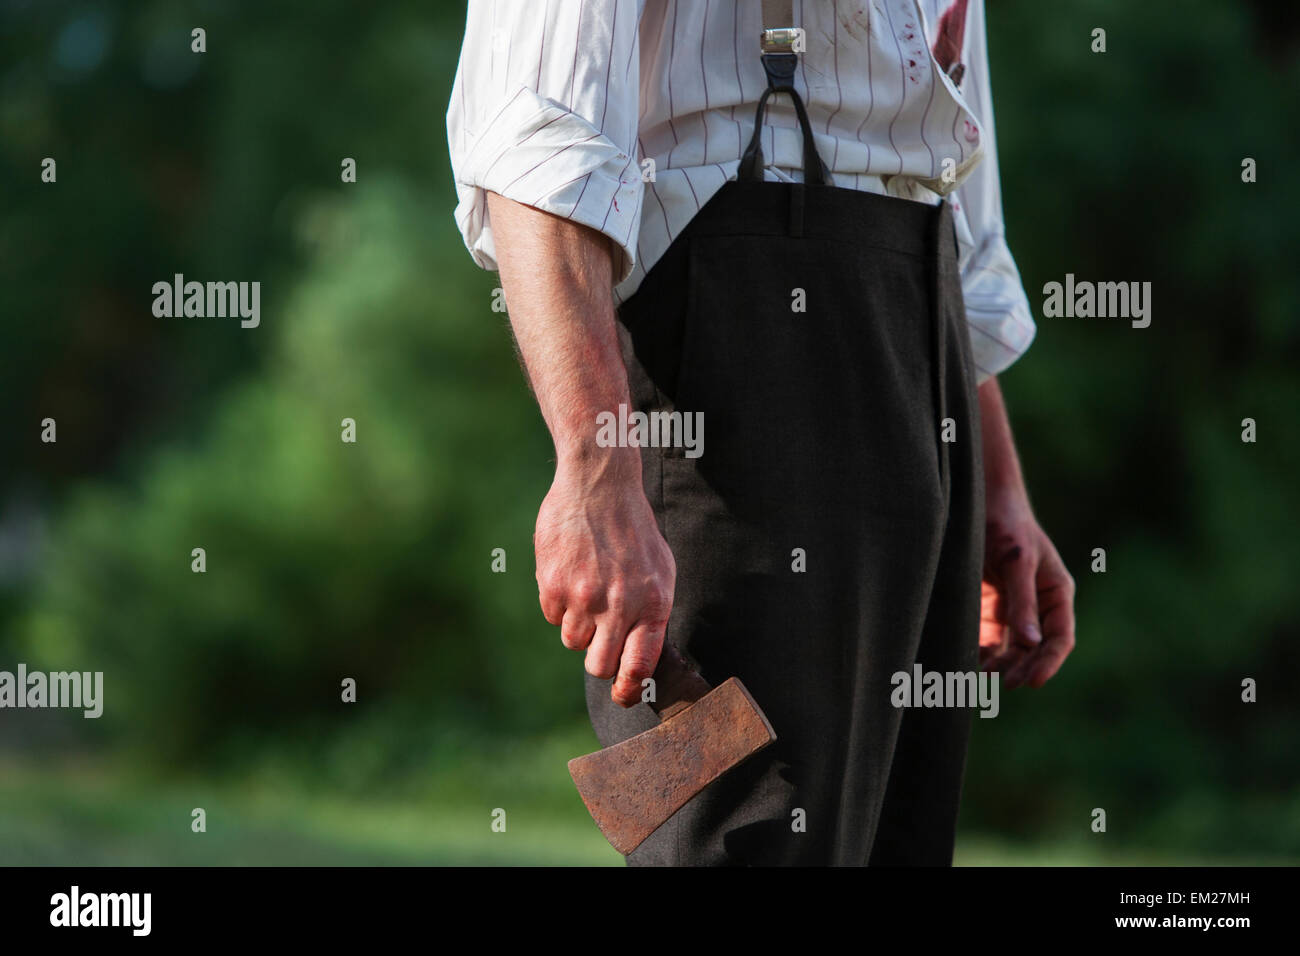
828, 536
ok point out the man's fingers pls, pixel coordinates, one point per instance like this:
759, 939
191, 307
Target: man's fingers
1015, 667
640, 655
1015, 675
577, 630
606, 648
1048, 662
1018, 569
1058, 622
1009, 664
552, 605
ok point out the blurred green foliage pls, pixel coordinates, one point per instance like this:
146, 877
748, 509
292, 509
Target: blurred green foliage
328, 560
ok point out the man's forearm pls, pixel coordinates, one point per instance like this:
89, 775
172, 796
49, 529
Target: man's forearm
605, 575
1002, 473
557, 277
1027, 614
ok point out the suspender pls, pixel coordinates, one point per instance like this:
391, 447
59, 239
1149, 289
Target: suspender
776, 46
778, 27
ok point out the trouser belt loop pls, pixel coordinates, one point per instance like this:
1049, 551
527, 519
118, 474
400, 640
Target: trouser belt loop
796, 209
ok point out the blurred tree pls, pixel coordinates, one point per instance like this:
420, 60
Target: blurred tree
373, 560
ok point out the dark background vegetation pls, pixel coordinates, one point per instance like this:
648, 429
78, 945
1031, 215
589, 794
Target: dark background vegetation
372, 561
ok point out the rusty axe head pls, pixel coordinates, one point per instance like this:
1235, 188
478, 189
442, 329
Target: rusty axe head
634, 786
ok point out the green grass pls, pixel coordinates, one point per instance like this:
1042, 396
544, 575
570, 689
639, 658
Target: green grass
84, 815
977, 850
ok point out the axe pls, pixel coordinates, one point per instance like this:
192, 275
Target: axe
634, 786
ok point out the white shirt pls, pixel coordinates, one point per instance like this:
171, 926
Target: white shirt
557, 104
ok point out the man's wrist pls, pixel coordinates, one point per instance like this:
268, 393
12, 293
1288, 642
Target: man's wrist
587, 461
1003, 479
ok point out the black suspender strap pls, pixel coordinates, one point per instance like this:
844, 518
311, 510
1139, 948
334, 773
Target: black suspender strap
776, 46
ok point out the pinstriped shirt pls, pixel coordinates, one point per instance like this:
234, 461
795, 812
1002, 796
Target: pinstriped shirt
628, 115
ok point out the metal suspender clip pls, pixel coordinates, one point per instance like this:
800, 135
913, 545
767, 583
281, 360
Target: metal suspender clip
779, 40
777, 45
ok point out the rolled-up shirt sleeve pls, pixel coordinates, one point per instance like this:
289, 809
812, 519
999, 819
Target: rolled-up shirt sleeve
997, 309
544, 111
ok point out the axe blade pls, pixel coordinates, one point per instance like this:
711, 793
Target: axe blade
634, 786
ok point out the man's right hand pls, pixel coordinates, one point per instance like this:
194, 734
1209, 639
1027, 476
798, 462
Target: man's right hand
605, 574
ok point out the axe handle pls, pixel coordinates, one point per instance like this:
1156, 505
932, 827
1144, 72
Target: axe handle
677, 683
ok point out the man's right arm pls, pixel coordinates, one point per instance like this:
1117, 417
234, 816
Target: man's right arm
605, 574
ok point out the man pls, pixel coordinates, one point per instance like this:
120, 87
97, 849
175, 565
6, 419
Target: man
824, 288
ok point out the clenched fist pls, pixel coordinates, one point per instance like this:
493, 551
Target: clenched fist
605, 574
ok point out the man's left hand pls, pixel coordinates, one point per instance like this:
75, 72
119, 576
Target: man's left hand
1027, 604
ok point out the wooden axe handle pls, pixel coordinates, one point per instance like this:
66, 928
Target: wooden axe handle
677, 684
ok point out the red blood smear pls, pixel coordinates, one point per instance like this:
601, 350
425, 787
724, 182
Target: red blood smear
952, 28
